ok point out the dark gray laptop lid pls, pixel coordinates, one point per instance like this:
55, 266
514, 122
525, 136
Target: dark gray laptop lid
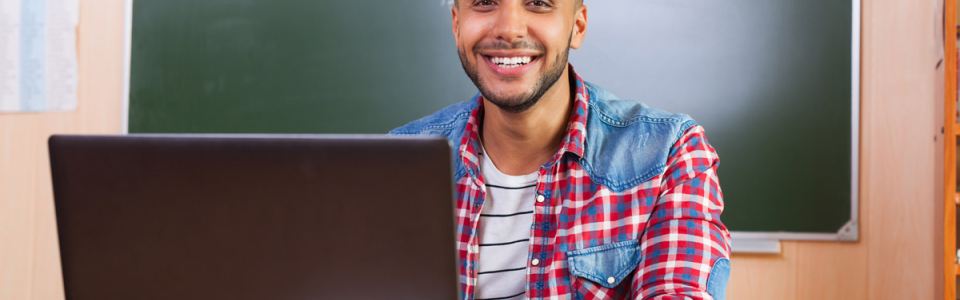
254, 217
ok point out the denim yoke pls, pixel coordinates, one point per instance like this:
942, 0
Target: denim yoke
611, 157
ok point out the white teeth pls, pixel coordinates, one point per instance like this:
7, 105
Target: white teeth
511, 61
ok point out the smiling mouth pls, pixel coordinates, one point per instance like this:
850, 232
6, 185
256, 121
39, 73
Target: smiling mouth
510, 62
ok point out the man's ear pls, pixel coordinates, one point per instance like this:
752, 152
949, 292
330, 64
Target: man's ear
455, 26
579, 27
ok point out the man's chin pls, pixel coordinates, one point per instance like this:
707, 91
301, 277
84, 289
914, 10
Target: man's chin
511, 103
516, 94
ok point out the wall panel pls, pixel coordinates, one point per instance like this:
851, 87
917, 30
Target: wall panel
29, 257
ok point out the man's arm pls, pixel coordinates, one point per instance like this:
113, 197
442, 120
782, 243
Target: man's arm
684, 237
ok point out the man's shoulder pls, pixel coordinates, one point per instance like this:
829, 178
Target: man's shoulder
442, 122
612, 111
629, 142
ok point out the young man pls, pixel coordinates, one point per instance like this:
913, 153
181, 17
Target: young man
564, 191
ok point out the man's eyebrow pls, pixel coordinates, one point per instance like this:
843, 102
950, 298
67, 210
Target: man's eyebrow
454, 3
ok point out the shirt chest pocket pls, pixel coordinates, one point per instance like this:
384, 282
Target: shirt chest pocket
603, 267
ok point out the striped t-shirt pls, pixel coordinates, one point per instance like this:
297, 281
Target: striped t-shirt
504, 233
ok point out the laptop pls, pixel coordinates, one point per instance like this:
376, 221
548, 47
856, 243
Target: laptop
254, 217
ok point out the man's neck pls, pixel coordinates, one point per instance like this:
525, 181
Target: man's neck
520, 142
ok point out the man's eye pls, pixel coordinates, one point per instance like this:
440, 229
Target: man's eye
540, 4
483, 3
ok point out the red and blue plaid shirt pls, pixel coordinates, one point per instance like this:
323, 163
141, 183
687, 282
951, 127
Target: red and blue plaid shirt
657, 239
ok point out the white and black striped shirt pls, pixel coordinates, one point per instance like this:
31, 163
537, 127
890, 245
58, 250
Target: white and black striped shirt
504, 232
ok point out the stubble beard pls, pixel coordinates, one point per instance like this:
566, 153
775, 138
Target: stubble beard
521, 102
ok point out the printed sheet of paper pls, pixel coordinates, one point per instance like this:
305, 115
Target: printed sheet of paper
38, 55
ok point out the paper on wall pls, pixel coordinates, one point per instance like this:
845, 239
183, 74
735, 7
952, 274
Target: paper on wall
38, 55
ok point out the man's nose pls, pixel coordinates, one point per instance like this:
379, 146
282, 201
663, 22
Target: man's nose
511, 25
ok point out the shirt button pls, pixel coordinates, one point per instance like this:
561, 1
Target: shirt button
535, 262
540, 198
611, 280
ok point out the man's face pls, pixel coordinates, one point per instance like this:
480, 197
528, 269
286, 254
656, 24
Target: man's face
515, 50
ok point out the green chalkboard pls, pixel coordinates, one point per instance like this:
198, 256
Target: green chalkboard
290, 66
769, 79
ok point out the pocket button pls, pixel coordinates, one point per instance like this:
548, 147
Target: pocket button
611, 280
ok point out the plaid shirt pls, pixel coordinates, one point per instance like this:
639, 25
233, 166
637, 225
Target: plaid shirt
657, 239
